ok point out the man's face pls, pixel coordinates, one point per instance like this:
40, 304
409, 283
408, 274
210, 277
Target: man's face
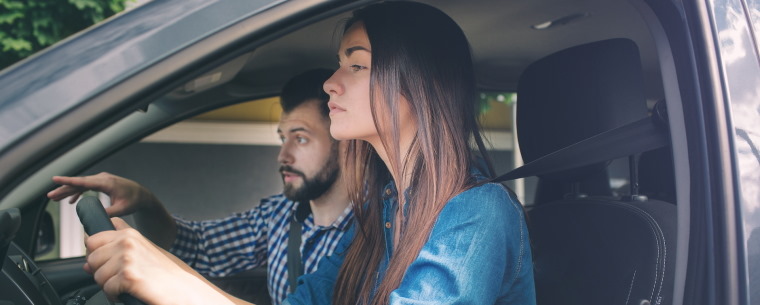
309, 156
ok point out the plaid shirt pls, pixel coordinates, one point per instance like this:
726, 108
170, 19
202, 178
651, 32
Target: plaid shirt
249, 239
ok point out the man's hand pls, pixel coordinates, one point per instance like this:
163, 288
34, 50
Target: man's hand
126, 195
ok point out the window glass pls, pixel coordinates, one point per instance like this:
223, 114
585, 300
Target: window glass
205, 167
754, 15
739, 53
497, 110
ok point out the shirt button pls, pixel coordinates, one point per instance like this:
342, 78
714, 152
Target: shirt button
388, 192
387, 225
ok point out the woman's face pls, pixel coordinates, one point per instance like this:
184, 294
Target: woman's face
350, 112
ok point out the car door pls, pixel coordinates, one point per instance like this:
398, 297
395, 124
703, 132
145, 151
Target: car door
114, 73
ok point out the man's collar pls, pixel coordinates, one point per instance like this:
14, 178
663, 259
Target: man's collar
343, 221
303, 211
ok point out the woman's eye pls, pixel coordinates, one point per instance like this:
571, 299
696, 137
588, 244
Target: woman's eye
357, 68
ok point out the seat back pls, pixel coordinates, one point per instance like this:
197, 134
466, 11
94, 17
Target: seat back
601, 251
592, 250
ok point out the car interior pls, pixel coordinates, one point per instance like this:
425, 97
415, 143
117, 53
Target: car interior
594, 79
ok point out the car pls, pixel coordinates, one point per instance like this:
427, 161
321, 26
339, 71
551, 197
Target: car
636, 120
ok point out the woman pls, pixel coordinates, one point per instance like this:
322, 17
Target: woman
430, 231
404, 95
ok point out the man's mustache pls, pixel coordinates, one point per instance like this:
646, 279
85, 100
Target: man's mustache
288, 168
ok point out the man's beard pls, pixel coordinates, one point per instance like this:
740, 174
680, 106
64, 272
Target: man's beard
313, 188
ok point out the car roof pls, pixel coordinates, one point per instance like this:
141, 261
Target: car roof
502, 37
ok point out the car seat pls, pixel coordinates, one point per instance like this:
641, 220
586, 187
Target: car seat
578, 109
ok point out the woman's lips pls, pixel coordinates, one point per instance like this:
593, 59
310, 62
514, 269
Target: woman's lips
334, 108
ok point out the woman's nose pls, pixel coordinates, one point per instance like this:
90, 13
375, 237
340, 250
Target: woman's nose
332, 85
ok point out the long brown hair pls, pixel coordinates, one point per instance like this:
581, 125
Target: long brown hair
420, 54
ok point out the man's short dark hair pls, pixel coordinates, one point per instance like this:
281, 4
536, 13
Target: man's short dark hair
304, 87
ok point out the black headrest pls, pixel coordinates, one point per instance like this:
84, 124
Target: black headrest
577, 93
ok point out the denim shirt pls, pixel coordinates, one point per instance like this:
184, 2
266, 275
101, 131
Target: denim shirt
478, 253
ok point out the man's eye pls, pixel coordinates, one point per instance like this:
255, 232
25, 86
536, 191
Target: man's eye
302, 140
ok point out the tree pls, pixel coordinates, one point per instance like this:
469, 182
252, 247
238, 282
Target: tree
27, 26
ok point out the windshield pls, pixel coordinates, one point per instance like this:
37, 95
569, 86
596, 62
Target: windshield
77, 69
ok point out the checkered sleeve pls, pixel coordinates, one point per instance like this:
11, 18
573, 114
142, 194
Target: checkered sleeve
225, 246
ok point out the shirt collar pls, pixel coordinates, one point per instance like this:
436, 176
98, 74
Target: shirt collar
342, 222
389, 191
302, 213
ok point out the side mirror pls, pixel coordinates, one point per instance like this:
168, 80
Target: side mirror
10, 221
45, 236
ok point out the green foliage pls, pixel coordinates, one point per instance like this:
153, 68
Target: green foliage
27, 26
486, 98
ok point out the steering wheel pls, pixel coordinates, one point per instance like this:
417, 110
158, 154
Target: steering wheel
95, 220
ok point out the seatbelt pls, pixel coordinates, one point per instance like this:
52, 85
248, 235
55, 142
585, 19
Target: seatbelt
295, 265
640, 136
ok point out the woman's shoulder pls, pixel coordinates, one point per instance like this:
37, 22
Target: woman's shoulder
487, 193
484, 201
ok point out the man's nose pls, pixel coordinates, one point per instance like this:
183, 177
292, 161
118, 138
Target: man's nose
285, 157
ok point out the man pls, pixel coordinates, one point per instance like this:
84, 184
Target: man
313, 198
